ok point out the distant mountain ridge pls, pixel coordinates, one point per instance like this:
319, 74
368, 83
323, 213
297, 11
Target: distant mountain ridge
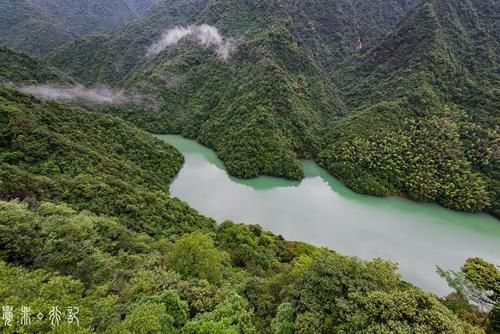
39, 26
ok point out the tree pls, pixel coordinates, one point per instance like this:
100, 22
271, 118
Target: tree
404, 312
283, 322
194, 255
148, 318
174, 306
478, 282
232, 316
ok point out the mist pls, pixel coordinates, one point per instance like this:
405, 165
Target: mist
100, 94
205, 35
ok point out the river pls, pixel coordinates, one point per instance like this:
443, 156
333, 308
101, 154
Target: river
322, 211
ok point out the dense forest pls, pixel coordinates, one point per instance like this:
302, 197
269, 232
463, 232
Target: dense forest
40, 26
391, 96
88, 223
298, 86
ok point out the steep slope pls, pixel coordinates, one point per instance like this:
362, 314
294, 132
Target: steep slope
39, 26
425, 110
108, 59
260, 111
20, 68
83, 17
90, 160
330, 29
27, 27
334, 30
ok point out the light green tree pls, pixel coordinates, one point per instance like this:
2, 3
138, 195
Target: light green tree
283, 322
195, 256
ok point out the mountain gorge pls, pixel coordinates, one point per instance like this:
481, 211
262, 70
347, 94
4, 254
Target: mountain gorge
85, 220
309, 81
393, 97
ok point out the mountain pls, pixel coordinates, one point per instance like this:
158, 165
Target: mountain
96, 228
39, 26
107, 59
21, 68
92, 17
431, 89
27, 27
321, 25
356, 86
274, 91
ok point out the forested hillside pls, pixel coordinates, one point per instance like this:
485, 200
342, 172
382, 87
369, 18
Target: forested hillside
431, 88
108, 59
86, 220
273, 91
358, 86
39, 26
19, 68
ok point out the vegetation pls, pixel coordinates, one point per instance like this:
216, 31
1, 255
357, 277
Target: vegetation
435, 136
477, 288
86, 220
39, 26
123, 274
19, 68
347, 83
92, 161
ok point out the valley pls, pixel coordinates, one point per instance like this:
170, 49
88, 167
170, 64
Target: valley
318, 166
416, 236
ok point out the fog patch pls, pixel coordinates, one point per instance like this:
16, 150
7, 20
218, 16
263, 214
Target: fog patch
98, 94
204, 34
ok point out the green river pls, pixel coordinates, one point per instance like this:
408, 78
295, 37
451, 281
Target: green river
322, 211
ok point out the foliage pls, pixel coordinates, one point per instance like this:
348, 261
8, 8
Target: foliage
424, 160
231, 316
42, 290
283, 322
402, 312
39, 26
477, 283
335, 295
20, 68
194, 255
92, 161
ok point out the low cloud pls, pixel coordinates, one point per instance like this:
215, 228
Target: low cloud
101, 94
205, 35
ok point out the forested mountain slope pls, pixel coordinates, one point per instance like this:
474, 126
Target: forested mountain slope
431, 89
39, 26
273, 91
108, 59
326, 27
18, 68
26, 27
86, 222
92, 161
348, 83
